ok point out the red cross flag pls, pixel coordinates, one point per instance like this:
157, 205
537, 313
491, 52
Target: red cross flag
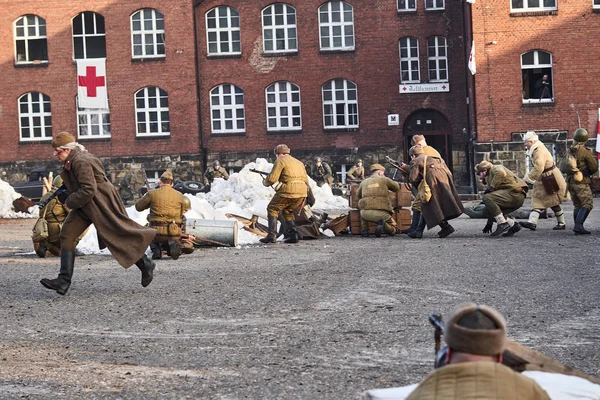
91, 83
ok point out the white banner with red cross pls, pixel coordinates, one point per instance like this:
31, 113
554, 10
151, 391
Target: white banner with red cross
91, 83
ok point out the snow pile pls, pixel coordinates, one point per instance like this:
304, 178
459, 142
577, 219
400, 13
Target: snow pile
7, 196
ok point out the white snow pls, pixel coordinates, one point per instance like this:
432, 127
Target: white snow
243, 194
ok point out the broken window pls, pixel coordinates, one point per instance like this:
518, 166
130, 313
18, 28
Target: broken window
536, 69
89, 36
31, 40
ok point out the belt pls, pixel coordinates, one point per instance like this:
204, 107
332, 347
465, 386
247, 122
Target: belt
549, 169
160, 223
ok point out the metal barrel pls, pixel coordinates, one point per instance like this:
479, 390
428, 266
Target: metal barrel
213, 232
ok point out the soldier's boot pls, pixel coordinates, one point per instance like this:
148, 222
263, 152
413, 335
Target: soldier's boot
389, 229
62, 283
380, 228
513, 229
531, 223
582, 215
446, 230
272, 235
418, 232
174, 249
560, 220
156, 251
364, 228
575, 212
147, 266
292, 232
502, 226
41, 250
416, 217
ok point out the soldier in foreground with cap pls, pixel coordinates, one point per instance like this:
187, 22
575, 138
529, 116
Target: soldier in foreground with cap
321, 173
289, 195
216, 171
549, 186
94, 200
357, 172
374, 203
476, 339
505, 193
166, 208
579, 181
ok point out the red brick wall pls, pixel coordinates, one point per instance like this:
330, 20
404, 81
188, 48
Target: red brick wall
373, 66
572, 38
175, 74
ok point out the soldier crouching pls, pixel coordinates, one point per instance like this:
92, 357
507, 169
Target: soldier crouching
374, 203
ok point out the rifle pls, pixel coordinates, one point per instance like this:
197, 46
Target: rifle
145, 179
262, 173
61, 190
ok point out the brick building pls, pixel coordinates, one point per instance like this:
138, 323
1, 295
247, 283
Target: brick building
150, 77
322, 77
517, 44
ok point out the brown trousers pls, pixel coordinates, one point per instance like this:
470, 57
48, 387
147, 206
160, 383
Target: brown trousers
284, 205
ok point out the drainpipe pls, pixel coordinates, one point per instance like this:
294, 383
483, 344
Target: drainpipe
470, 100
197, 69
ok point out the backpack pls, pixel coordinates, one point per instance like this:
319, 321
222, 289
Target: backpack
568, 166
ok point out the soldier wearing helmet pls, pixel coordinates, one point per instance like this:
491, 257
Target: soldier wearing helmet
357, 172
166, 208
321, 172
579, 181
214, 172
289, 195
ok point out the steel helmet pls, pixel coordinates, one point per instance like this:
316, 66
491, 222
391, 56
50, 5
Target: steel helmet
580, 135
187, 204
57, 181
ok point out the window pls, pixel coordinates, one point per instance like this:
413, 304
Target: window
89, 39
223, 31
336, 26
283, 107
92, 123
31, 41
536, 68
147, 34
407, 5
152, 112
279, 28
35, 118
227, 109
340, 104
596, 4
434, 4
532, 5
437, 59
409, 60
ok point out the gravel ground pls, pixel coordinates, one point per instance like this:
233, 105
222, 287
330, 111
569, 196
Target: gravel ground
323, 319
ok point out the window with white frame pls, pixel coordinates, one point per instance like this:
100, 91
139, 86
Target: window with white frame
409, 60
227, 109
279, 28
336, 26
407, 5
92, 123
596, 4
30, 39
223, 31
147, 34
437, 59
35, 118
434, 4
89, 36
532, 5
283, 107
152, 112
536, 69
340, 104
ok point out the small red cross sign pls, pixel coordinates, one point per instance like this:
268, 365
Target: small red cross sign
91, 81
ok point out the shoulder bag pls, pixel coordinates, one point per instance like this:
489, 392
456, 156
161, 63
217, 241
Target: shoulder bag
424, 191
40, 229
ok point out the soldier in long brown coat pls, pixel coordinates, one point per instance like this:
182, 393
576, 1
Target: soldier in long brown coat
374, 203
290, 193
166, 208
94, 200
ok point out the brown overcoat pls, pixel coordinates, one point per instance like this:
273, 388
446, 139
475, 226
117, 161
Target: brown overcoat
541, 159
444, 203
95, 199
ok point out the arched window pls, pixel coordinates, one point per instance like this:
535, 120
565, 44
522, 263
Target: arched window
336, 26
437, 59
536, 69
147, 34
89, 36
409, 60
223, 31
30, 39
92, 123
152, 112
227, 109
340, 104
279, 29
283, 107
35, 118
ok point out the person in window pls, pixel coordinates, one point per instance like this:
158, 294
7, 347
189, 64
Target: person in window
542, 88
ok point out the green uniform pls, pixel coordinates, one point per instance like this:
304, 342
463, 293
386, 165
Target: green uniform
212, 173
581, 193
374, 203
322, 174
506, 192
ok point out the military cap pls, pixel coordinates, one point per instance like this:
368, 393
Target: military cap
62, 139
57, 181
487, 341
376, 167
483, 166
167, 175
417, 139
415, 151
281, 149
